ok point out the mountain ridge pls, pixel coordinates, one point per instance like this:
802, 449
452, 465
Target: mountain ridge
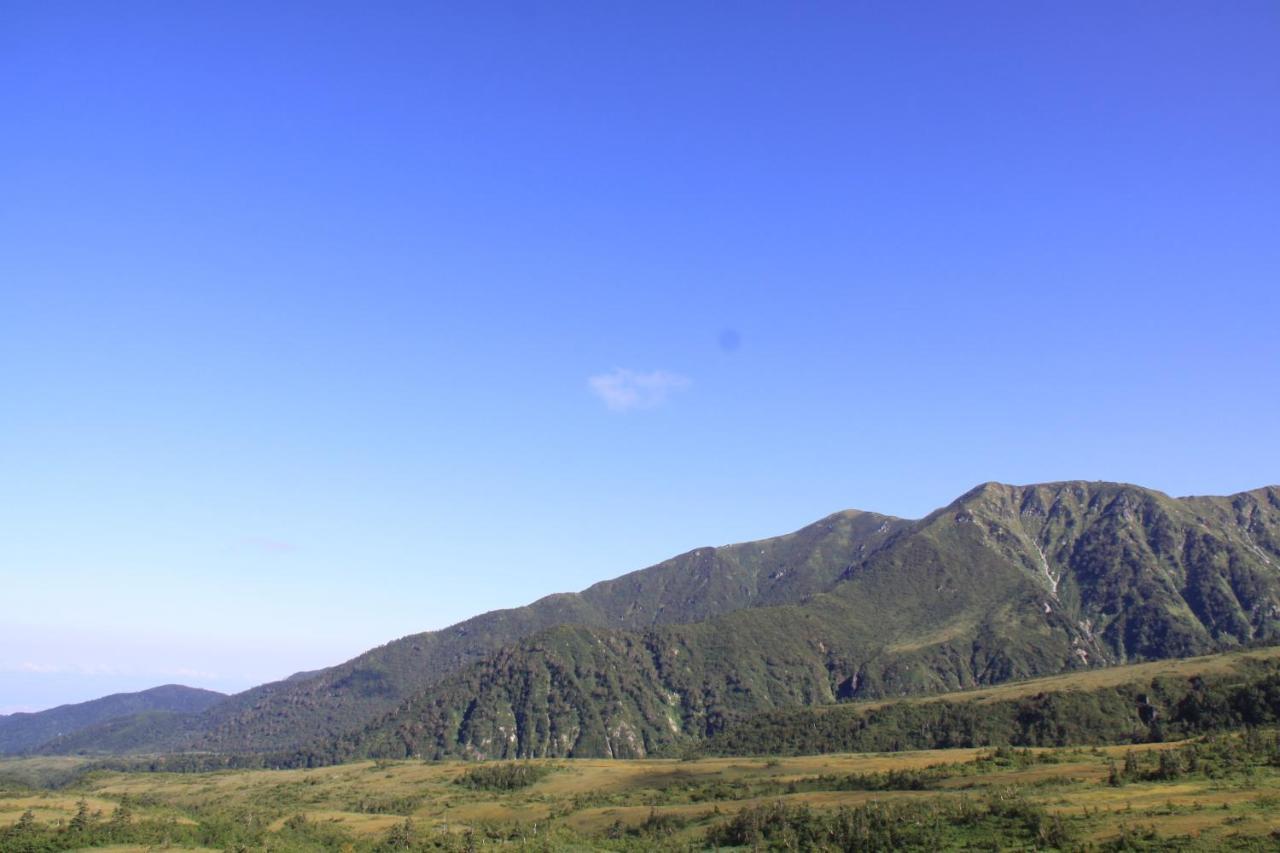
724, 577
1003, 582
1108, 592
23, 731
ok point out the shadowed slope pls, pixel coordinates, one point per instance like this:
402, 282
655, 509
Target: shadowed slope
23, 732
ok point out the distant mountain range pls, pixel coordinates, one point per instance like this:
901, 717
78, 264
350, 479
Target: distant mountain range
1006, 582
23, 732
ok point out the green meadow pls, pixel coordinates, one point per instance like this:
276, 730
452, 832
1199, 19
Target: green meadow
1210, 793
1114, 784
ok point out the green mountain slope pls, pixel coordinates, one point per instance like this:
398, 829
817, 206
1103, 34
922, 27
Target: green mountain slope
627, 718
1007, 582
1168, 700
697, 585
145, 731
24, 732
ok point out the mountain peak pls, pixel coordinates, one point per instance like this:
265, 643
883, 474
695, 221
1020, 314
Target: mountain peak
1005, 582
26, 731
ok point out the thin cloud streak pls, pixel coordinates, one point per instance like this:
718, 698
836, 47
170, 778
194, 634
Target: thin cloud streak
623, 390
272, 546
40, 668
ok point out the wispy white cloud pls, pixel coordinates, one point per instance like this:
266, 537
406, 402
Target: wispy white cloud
273, 546
38, 668
27, 667
625, 390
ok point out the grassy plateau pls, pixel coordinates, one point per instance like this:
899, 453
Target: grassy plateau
1217, 790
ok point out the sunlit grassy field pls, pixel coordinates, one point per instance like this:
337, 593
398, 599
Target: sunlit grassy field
1092, 679
1217, 792
603, 804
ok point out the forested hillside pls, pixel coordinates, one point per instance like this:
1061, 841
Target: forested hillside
1007, 582
697, 585
23, 732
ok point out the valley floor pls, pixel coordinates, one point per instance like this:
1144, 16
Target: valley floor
1214, 793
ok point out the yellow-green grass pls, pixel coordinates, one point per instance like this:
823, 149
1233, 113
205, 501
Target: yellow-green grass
1087, 679
50, 807
144, 848
589, 796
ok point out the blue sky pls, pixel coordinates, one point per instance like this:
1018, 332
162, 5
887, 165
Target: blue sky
325, 323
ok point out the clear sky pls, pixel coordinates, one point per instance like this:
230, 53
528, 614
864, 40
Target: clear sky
325, 323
